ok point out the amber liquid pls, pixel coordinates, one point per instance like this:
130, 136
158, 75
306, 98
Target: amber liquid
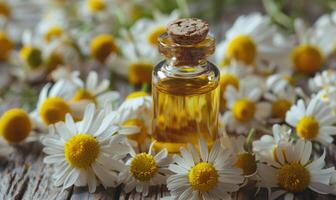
184, 111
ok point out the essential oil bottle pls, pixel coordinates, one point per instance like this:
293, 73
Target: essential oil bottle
185, 87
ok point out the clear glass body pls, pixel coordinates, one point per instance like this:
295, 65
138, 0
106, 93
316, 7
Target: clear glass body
186, 103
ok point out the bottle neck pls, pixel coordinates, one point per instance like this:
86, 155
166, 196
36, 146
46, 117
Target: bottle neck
186, 55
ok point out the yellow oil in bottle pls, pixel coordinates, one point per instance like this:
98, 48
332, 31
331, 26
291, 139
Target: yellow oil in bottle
185, 88
186, 110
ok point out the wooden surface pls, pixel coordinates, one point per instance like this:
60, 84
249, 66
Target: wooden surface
23, 175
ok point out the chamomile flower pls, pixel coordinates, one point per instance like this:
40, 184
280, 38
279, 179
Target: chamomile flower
231, 75
15, 126
95, 92
53, 104
138, 102
52, 26
31, 53
101, 10
293, 171
135, 62
244, 159
281, 102
322, 80
249, 40
148, 31
86, 153
309, 54
145, 170
312, 121
203, 175
266, 145
245, 109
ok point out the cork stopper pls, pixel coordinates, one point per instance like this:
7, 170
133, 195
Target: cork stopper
188, 31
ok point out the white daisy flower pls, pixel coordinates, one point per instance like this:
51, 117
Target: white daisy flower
52, 26
322, 80
92, 91
309, 54
147, 31
314, 121
249, 40
135, 61
101, 10
139, 103
231, 75
145, 170
53, 104
86, 153
293, 171
204, 175
281, 101
244, 159
7, 46
245, 110
266, 145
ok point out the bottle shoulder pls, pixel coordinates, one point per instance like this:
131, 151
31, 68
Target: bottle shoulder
185, 80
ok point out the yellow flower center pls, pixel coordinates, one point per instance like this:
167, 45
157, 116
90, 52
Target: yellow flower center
308, 127
154, 34
143, 167
246, 162
293, 177
102, 46
82, 94
136, 94
140, 72
81, 150
15, 125
6, 46
96, 5
242, 48
53, 110
243, 110
5, 10
280, 107
307, 59
142, 135
203, 177
31, 56
52, 33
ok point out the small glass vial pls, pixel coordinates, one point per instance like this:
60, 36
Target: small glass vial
185, 87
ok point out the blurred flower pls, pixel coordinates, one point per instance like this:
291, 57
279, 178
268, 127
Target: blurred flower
93, 91
53, 104
249, 40
15, 126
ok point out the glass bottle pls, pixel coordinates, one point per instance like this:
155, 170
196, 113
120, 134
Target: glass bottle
185, 94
